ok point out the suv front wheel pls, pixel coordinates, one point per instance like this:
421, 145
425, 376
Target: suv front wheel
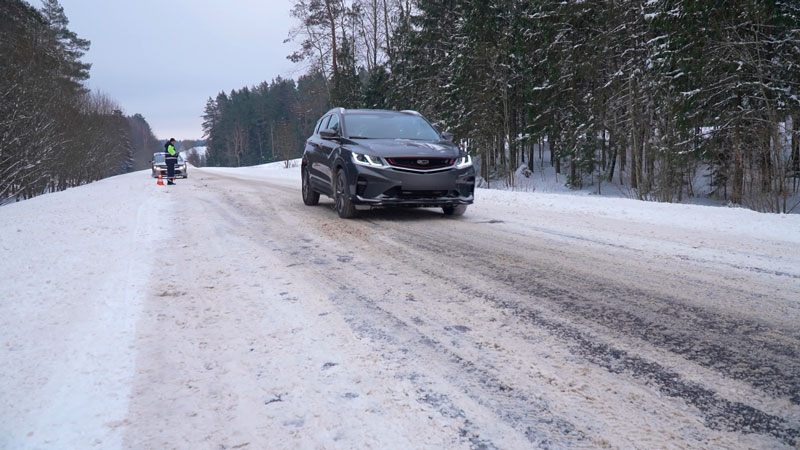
310, 196
344, 206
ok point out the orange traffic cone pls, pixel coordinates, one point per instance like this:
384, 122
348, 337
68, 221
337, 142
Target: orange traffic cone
160, 180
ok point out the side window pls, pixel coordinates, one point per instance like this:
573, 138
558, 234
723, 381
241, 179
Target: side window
320, 125
334, 123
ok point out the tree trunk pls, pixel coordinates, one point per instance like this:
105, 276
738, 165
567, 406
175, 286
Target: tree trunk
485, 163
612, 158
765, 166
388, 39
649, 158
603, 152
634, 153
530, 155
272, 139
794, 165
572, 183
555, 160
334, 65
738, 169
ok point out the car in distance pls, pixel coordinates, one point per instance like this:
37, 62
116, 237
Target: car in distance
159, 166
380, 158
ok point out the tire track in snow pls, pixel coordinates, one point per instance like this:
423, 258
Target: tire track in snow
720, 413
739, 348
780, 360
515, 407
601, 242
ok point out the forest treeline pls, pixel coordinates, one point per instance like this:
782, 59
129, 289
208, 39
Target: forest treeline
55, 133
658, 95
265, 123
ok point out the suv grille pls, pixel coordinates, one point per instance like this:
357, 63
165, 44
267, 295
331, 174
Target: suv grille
421, 163
397, 192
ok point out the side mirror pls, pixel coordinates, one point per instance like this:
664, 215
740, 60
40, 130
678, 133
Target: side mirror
448, 136
328, 134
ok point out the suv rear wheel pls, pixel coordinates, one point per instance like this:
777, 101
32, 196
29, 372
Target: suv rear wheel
344, 206
310, 196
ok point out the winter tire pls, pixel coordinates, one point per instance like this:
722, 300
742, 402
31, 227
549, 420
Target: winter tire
344, 206
310, 196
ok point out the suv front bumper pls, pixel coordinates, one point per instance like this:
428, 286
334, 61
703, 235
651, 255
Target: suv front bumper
397, 187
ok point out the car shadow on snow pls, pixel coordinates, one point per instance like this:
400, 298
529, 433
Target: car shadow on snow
397, 214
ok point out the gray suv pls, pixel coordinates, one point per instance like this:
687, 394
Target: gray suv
381, 158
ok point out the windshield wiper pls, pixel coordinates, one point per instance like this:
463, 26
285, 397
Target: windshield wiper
359, 137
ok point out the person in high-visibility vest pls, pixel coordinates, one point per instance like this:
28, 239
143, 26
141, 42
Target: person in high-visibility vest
171, 159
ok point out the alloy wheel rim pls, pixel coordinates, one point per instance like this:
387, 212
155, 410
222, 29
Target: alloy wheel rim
339, 192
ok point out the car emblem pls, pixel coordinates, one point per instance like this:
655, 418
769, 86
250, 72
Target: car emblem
423, 162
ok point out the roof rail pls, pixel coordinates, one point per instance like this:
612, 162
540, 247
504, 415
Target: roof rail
338, 109
411, 111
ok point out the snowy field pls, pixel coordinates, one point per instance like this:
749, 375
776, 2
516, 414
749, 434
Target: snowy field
223, 313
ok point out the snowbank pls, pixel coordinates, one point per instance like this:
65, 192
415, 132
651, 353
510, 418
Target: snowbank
75, 267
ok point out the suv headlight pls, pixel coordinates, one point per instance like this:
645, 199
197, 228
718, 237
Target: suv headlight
367, 160
464, 161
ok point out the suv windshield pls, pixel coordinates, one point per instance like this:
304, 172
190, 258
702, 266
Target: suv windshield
389, 126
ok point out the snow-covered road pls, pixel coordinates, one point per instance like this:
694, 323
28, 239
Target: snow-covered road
224, 313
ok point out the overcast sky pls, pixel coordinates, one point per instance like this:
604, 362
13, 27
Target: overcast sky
164, 58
